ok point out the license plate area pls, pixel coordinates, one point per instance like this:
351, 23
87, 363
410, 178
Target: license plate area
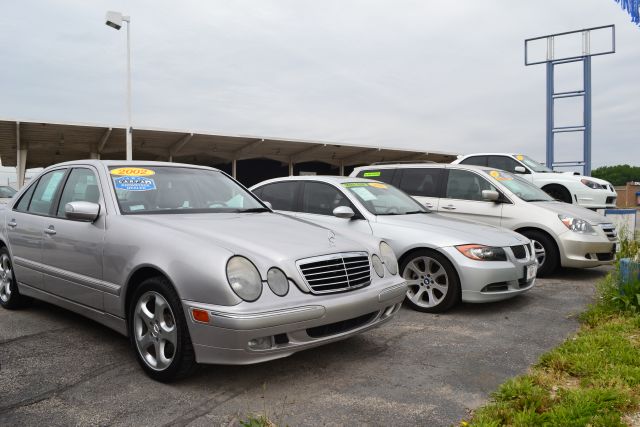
530, 271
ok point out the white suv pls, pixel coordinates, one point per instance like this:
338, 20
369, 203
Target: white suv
586, 191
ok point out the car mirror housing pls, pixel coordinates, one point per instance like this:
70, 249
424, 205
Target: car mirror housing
268, 204
490, 195
520, 169
82, 211
344, 212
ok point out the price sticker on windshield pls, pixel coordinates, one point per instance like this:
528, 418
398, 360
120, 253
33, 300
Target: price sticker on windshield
132, 172
520, 157
134, 183
497, 175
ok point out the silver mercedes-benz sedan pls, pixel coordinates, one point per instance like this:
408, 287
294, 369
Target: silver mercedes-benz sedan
189, 264
443, 260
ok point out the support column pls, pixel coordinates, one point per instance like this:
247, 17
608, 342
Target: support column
550, 124
587, 115
290, 167
341, 168
234, 168
21, 158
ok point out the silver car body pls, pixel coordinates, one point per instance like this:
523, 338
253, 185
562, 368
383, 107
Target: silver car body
406, 233
92, 268
575, 249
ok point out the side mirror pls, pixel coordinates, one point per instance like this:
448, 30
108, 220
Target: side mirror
490, 195
344, 212
82, 211
269, 205
520, 169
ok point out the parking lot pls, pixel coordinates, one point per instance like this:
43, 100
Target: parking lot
58, 368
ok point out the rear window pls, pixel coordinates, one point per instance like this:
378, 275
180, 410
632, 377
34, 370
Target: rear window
384, 175
423, 182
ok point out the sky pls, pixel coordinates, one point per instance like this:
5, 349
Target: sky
417, 74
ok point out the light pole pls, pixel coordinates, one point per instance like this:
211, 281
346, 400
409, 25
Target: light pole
115, 20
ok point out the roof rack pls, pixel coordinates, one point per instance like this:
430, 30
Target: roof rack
402, 162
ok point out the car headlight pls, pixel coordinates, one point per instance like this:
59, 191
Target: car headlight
244, 278
277, 281
576, 224
482, 252
389, 258
591, 184
377, 265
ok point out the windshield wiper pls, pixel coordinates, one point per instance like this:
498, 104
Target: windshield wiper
253, 210
416, 212
539, 200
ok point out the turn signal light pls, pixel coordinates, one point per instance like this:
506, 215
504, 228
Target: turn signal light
200, 315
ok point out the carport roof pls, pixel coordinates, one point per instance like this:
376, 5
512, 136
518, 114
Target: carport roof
48, 143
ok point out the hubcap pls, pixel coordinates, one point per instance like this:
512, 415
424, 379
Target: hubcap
428, 281
6, 277
540, 253
155, 331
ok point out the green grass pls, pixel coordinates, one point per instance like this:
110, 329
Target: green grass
592, 379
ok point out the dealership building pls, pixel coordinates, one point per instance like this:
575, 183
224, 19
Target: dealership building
251, 159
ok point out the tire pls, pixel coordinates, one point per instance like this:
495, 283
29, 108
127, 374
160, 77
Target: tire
434, 286
166, 335
546, 251
558, 192
10, 297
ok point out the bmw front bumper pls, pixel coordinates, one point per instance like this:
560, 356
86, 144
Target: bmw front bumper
245, 334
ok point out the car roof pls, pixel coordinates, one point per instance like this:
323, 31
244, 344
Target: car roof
330, 179
488, 154
425, 165
107, 163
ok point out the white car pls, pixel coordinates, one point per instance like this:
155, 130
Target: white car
443, 260
6, 194
569, 187
562, 234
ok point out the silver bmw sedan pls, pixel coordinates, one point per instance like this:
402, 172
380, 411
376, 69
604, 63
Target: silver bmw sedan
189, 264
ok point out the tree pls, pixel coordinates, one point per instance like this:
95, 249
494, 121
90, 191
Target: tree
617, 175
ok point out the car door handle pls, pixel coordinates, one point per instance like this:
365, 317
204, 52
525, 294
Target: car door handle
12, 223
428, 205
50, 231
449, 207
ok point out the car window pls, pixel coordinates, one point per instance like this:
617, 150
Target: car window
520, 187
532, 164
23, 204
322, 199
384, 175
144, 190
383, 199
421, 181
7, 192
502, 162
45, 192
465, 185
281, 195
475, 160
81, 186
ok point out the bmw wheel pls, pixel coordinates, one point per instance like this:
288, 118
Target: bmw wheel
433, 285
10, 298
158, 331
546, 251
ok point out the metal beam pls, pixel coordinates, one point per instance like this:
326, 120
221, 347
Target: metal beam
298, 155
414, 156
351, 157
104, 139
179, 145
234, 168
248, 147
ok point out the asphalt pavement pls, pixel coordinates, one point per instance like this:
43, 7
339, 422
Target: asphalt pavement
58, 368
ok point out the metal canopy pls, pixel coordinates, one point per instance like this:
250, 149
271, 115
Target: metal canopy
46, 143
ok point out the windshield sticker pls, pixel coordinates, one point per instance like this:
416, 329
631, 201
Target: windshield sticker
520, 157
499, 176
377, 185
355, 184
134, 183
368, 174
363, 193
132, 172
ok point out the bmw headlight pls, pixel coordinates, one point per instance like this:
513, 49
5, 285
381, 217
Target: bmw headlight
591, 184
576, 224
482, 253
277, 281
389, 258
377, 265
244, 278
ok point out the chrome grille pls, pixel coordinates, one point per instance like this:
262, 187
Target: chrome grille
336, 272
610, 231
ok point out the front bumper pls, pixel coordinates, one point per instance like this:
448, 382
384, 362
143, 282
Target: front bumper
489, 281
586, 250
596, 199
309, 321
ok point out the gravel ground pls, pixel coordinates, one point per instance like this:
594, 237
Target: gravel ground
57, 368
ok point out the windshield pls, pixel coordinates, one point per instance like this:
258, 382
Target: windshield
520, 187
7, 192
533, 165
169, 189
383, 199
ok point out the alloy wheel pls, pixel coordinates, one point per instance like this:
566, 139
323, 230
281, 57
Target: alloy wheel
6, 278
155, 330
428, 281
540, 252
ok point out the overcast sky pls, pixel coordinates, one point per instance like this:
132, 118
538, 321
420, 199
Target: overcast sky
428, 75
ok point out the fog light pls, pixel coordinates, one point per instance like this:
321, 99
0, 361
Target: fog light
263, 343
